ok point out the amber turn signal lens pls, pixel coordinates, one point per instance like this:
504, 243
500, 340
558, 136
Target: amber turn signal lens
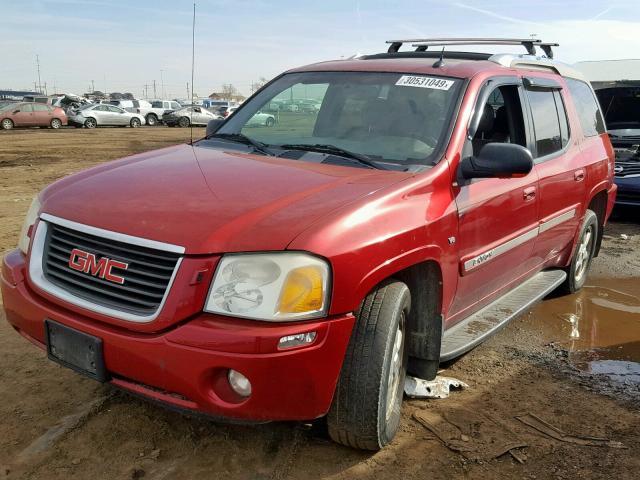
302, 291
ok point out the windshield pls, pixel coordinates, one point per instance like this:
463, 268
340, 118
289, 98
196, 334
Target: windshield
621, 106
391, 118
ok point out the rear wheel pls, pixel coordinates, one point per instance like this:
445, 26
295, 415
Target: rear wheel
366, 406
581, 261
135, 123
55, 123
183, 122
90, 123
7, 124
152, 120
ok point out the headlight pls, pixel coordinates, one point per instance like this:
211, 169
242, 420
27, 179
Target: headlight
29, 220
275, 287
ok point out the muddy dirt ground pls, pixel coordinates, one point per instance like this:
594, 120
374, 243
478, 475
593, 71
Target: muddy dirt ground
571, 361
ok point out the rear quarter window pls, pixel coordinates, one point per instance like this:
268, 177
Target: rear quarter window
587, 106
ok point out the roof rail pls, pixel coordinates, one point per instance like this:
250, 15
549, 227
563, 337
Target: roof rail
423, 44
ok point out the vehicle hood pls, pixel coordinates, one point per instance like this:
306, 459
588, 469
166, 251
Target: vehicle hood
209, 200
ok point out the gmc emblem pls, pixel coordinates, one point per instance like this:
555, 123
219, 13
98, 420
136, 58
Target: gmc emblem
86, 262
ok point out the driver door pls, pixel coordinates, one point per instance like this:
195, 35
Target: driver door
497, 217
23, 116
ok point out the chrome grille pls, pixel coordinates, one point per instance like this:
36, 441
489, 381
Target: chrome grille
624, 169
146, 278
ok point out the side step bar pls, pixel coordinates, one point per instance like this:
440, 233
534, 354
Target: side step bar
473, 330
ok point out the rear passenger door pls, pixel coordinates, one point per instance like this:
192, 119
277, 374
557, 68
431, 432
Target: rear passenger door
561, 175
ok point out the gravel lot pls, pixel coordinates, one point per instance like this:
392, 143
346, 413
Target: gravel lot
571, 361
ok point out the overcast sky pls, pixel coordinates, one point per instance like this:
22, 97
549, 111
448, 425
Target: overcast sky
123, 45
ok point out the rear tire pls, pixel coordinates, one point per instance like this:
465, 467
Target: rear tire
7, 124
55, 123
152, 120
135, 123
183, 122
365, 413
90, 123
581, 261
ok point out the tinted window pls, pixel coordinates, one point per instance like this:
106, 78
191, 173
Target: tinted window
587, 108
156, 104
546, 124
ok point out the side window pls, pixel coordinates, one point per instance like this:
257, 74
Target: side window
175, 106
502, 120
26, 108
40, 107
546, 122
589, 113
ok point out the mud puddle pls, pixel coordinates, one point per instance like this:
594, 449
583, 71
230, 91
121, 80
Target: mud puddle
598, 327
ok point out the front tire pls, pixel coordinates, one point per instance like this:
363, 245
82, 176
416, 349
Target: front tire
365, 413
135, 123
55, 123
270, 122
183, 122
7, 124
581, 261
90, 123
152, 120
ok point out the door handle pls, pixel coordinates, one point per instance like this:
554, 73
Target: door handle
578, 175
529, 193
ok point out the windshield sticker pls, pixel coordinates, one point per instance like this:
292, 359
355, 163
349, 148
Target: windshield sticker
424, 82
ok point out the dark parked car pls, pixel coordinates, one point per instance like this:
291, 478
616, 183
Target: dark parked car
28, 114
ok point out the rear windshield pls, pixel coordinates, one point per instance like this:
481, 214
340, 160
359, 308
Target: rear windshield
392, 118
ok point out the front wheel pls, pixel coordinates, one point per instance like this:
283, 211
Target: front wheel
55, 123
7, 124
152, 120
366, 406
135, 123
90, 123
581, 261
183, 122
270, 122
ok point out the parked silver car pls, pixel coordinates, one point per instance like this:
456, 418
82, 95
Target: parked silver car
99, 115
190, 115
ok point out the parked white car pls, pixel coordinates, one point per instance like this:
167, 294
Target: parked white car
186, 116
99, 115
261, 119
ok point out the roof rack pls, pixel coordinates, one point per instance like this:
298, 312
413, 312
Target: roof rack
422, 44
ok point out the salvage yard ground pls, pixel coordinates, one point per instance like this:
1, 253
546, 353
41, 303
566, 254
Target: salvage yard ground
566, 370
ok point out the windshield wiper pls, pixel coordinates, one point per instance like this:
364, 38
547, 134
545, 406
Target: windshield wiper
241, 138
333, 150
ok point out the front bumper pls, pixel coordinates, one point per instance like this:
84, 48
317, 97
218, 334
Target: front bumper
628, 191
186, 367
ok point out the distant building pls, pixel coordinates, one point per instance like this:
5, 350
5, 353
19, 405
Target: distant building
602, 73
232, 98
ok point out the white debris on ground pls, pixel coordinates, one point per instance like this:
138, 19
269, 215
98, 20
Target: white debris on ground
439, 387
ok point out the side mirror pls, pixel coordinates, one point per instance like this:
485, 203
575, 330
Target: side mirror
213, 126
16, 111
498, 160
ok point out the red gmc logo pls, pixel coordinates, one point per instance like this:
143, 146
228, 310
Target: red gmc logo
86, 262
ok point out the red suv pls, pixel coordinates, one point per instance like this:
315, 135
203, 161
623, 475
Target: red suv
298, 271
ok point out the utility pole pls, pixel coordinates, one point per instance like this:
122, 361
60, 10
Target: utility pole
155, 95
39, 81
45, 89
162, 84
191, 98
93, 86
